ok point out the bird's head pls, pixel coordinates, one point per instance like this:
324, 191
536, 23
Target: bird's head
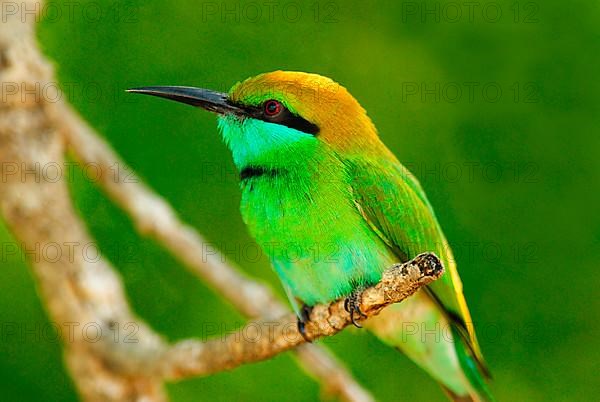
282, 116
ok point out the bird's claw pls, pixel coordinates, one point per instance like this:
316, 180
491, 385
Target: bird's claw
352, 306
303, 319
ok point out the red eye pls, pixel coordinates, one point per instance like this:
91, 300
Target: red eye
273, 108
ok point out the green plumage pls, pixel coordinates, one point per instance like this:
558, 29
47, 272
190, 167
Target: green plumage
333, 208
330, 223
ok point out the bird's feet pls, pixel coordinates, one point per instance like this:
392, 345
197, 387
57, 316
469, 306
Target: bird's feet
305, 311
352, 305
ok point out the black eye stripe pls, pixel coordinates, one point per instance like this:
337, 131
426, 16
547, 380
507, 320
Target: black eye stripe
285, 118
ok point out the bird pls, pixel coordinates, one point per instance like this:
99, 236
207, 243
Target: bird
333, 208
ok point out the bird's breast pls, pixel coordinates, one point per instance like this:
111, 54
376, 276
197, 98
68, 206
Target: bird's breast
313, 234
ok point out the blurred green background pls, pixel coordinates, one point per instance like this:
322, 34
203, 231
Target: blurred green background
497, 114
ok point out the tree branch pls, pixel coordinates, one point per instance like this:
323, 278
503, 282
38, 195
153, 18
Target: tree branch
34, 132
28, 138
264, 339
155, 218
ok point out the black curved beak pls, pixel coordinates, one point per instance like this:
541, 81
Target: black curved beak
216, 102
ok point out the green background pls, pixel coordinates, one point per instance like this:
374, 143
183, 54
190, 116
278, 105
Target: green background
513, 177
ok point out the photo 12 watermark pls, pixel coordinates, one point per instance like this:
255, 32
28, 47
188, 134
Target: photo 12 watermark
326, 12
472, 12
126, 12
524, 172
53, 92
69, 332
54, 172
70, 252
487, 332
469, 92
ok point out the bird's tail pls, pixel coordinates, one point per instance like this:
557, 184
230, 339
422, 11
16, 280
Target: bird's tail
418, 329
472, 370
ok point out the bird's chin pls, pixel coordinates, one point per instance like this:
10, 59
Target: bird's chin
231, 119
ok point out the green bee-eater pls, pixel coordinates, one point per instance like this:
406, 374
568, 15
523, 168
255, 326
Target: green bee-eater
333, 208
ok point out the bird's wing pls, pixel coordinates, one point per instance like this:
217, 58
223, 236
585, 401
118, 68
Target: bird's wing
392, 201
